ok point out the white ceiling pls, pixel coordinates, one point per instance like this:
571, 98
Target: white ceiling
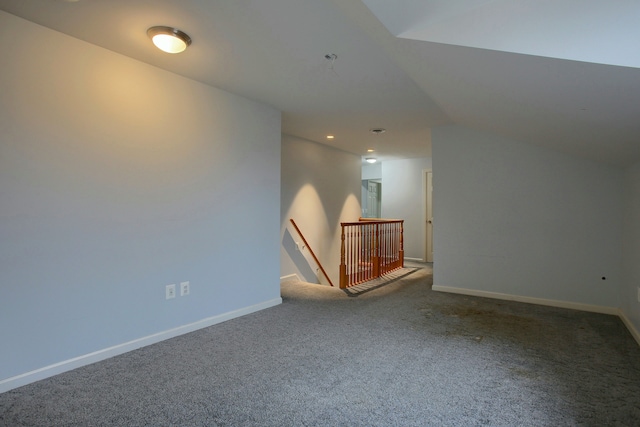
477, 63
580, 30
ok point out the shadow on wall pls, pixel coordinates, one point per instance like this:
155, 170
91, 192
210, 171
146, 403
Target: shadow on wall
298, 258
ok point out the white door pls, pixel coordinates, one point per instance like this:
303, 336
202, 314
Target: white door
373, 202
429, 216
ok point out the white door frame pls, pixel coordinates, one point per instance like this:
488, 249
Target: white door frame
427, 195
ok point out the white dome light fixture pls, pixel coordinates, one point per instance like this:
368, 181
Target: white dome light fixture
371, 160
169, 39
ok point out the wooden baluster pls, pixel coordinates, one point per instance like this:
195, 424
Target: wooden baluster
376, 251
369, 249
381, 244
395, 245
401, 251
352, 277
387, 249
392, 246
350, 254
392, 251
357, 254
366, 249
398, 244
383, 249
362, 249
387, 255
361, 253
372, 250
343, 266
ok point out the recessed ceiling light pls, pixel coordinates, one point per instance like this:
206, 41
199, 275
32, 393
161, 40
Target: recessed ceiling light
371, 160
330, 136
370, 150
168, 39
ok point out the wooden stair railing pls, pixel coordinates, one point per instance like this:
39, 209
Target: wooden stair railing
369, 249
311, 251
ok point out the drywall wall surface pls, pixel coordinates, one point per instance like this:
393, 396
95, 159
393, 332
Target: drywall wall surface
320, 189
522, 220
372, 171
117, 179
630, 292
404, 197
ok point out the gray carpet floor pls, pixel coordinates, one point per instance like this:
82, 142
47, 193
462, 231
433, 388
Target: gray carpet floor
394, 354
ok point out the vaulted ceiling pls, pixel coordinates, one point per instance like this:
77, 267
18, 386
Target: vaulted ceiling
562, 74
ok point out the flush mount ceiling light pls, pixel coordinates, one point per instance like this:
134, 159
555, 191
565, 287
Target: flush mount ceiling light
168, 39
371, 160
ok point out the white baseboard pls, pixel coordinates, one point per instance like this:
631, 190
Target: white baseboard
630, 326
413, 259
87, 359
290, 278
530, 300
541, 301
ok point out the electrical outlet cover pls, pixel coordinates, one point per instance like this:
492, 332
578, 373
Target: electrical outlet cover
170, 291
185, 288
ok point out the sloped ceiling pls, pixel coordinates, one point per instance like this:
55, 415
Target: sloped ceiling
578, 30
406, 65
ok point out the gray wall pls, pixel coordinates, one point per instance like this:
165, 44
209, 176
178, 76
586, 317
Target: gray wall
116, 179
521, 220
404, 197
320, 189
631, 245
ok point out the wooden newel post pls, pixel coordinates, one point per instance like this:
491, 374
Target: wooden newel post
401, 254
343, 267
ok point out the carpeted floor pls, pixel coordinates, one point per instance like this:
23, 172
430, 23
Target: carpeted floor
395, 355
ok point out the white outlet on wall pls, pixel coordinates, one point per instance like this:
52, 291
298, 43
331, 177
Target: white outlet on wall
170, 291
184, 288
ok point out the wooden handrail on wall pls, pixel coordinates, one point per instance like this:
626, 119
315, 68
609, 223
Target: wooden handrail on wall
369, 249
311, 251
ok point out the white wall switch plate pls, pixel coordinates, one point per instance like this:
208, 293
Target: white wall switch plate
185, 288
170, 291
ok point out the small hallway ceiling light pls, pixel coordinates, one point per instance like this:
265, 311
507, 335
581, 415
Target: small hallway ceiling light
371, 160
330, 136
168, 39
